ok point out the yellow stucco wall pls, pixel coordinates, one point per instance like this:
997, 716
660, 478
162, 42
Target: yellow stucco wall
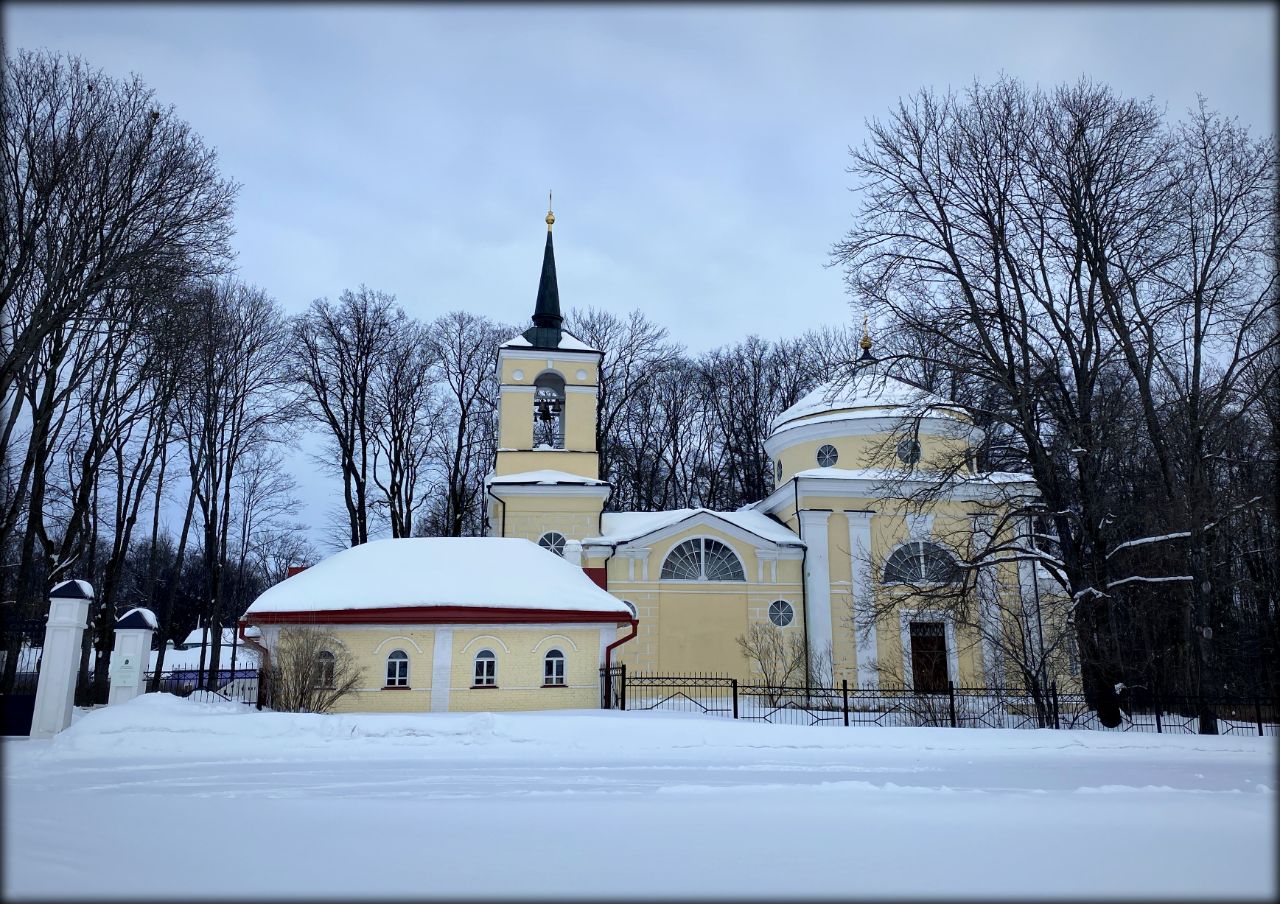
868, 451
371, 646
520, 653
532, 516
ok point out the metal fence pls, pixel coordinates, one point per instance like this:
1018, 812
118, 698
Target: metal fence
720, 695
236, 686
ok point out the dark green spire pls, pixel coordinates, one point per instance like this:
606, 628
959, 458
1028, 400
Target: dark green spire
547, 319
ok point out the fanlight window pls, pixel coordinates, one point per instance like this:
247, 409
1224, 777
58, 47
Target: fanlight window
702, 559
553, 668
554, 541
486, 674
919, 562
548, 411
398, 669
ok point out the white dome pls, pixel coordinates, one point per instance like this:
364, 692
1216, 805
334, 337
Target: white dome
867, 393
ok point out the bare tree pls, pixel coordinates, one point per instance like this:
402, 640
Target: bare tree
466, 347
310, 670
340, 351
102, 186
410, 425
235, 402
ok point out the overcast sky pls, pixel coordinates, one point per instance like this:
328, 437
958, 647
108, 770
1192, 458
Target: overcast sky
697, 154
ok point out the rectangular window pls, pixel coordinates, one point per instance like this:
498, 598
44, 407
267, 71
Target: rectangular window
553, 670
929, 657
397, 673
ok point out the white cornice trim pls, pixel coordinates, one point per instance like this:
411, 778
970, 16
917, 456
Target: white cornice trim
543, 354
503, 490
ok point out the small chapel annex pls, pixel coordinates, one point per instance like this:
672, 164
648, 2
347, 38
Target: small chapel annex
833, 557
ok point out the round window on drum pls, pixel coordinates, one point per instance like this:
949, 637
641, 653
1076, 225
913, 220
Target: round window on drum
827, 456
781, 613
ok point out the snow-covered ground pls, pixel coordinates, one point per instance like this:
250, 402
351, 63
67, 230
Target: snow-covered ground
165, 797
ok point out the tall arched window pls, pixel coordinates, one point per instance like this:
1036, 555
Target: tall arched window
702, 559
324, 669
486, 669
548, 411
918, 562
553, 668
398, 669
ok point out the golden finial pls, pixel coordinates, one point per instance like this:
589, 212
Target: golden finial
551, 217
866, 335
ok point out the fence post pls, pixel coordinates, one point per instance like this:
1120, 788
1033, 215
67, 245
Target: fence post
1155, 697
844, 693
1257, 711
735, 698
622, 694
951, 701
1053, 703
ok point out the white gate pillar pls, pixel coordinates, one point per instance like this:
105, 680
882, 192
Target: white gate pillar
131, 654
60, 660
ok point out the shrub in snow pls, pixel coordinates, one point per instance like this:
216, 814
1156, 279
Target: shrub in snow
311, 671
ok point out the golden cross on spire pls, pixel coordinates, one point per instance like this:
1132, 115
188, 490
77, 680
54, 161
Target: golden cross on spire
866, 335
551, 217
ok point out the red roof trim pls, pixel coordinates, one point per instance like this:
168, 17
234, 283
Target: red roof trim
440, 615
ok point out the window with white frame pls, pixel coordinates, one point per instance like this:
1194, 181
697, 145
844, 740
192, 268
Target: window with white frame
781, 613
920, 562
554, 541
486, 669
324, 669
553, 668
702, 559
398, 669
827, 456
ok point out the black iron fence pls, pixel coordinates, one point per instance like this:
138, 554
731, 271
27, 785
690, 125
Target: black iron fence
958, 707
245, 685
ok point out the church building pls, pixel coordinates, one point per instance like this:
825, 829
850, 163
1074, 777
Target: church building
831, 556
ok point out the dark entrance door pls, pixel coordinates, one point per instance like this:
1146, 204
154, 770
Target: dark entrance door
929, 657
21, 642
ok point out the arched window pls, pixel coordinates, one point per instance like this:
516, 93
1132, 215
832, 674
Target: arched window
919, 562
553, 668
398, 669
486, 669
781, 613
548, 411
554, 541
702, 559
324, 669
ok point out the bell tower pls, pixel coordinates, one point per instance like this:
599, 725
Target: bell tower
545, 483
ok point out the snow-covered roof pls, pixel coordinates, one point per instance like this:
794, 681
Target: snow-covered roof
891, 474
621, 527
197, 637
496, 572
547, 477
568, 343
867, 392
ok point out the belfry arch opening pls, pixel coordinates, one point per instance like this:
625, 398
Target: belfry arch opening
548, 410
